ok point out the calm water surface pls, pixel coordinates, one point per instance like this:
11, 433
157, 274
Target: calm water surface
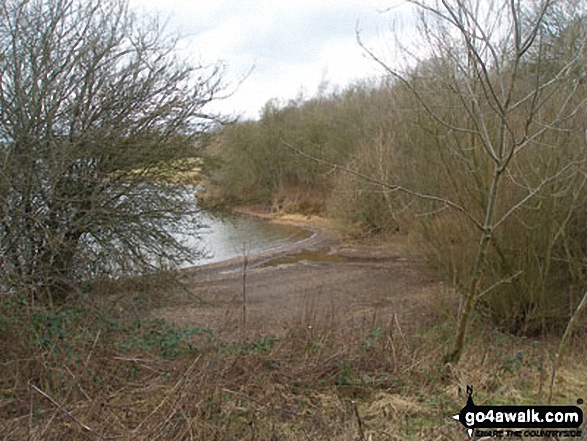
228, 237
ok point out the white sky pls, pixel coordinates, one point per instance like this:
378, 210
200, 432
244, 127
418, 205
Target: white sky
291, 46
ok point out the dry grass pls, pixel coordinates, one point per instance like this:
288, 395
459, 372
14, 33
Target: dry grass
186, 171
101, 370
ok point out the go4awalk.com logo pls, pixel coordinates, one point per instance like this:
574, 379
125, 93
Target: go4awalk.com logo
520, 421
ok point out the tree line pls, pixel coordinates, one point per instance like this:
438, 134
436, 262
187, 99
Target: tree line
476, 145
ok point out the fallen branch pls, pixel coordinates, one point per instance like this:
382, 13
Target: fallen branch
52, 400
361, 430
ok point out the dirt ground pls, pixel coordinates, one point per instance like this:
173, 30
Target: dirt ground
314, 283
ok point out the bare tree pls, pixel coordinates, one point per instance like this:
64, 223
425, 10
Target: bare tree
95, 107
490, 86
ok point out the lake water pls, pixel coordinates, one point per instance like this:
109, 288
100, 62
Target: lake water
228, 237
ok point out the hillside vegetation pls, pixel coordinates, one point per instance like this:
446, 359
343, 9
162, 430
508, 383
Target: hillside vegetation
473, 155
421, 149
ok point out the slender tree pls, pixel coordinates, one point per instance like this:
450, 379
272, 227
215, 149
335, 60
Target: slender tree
478, 57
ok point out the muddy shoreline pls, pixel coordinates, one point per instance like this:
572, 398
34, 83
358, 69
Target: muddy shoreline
324, 278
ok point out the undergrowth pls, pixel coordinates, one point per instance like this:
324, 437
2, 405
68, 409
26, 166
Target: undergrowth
86, 371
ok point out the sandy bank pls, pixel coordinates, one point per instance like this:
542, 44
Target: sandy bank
312, 282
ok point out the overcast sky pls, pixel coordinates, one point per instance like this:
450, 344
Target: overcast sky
291, 46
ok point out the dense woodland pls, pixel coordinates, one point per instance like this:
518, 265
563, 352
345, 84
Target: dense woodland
412, 152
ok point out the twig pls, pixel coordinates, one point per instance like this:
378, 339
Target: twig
169, 395
542, 376
31, 408
242, 395
393, 352
260, 404
66, 412
554, 367
500, 282
571, 325
139, 361
93, 347
133, 359
401, 333
361, 431
245, 263
78, 384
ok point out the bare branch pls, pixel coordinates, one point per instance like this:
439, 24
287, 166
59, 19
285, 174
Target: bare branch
535, 191
391, 187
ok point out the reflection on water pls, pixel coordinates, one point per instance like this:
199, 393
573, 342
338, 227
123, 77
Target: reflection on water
223, 239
